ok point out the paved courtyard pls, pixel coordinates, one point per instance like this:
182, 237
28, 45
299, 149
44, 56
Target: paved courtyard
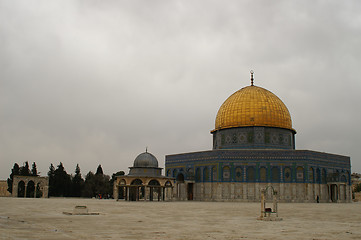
44, 219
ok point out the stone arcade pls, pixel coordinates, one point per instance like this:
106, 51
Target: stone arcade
30, 186
254, 147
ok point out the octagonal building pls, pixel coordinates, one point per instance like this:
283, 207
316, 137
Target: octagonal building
254, 147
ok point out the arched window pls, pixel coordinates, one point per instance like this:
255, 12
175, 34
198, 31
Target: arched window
168, 173
180, 177
263, 174
324, 175
299, 176
311, 175
343, 178
214, 173
137, 182
174, 173
154, 183
239, 174
226, 174
190, 173
318, 175
205, 174
250, 174
287, 174
275, 174
198, 175
348, 176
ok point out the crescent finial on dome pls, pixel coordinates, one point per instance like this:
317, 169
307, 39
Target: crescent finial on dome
252, 77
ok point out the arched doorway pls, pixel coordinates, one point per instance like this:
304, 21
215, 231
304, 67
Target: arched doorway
38, 192
154, 190
182, 187
136, 190
30, 189
334, 192
168, 190
21, 189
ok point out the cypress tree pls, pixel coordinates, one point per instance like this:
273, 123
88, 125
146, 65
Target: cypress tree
77, 183
24, 170
99, 170
62, 182
51, 175
34, 171
15, 171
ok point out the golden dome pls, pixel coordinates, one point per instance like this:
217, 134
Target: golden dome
253, 106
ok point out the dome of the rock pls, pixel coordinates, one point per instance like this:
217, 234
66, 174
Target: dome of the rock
253, 106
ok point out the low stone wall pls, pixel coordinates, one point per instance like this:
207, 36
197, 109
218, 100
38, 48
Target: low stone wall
4, 189
357, 197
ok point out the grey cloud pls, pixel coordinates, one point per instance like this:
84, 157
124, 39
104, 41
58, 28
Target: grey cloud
94, 82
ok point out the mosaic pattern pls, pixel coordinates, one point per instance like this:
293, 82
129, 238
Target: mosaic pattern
253, 137
258, 165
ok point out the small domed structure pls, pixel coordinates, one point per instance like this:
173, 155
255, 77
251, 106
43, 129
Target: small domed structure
145, 164
144, 181
146, 159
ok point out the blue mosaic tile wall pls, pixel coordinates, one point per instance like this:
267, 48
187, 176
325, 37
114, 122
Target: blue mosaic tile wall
258, 166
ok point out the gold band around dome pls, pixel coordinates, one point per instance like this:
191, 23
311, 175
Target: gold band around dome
253, 106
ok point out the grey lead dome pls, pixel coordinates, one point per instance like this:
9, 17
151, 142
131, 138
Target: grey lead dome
146, 159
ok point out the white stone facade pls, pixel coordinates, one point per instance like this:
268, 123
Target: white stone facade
251, 192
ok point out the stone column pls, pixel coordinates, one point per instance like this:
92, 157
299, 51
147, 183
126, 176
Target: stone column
257, 190
115, 191
232, 191
263, 203
275, 203
25, 190
244, 191
36, 186
147, 192
45, 191
15, 188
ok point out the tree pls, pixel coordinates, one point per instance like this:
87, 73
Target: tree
114, 176
97, 185
99, 170
357, 188
15, 171
77, 183
60, 185
89, 188
51, 175
24, 170
34, 171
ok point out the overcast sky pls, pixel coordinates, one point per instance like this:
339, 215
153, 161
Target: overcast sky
95, 82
